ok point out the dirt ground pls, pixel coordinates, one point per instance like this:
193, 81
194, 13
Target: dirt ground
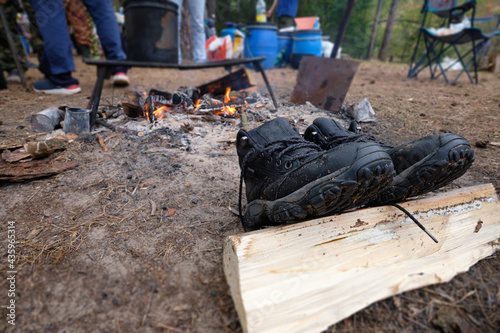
94, 255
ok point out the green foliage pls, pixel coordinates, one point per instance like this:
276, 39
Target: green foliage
358, 32
330, 12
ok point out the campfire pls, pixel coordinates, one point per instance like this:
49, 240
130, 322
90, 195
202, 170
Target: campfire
226, 97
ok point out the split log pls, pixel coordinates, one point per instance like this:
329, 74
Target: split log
163, 98
131, 103
241, 79
307, 276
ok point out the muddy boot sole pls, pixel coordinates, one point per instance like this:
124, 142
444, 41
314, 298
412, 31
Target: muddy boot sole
349, 187
441, 167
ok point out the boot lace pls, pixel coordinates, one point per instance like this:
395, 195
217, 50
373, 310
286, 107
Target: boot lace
414, 220
283, 146
358, 137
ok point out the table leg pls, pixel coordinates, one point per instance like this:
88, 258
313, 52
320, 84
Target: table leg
258, 66
96, 94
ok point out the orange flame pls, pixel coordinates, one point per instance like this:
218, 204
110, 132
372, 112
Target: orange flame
227, 99
147, 108
197, 104
227, 111
161, 112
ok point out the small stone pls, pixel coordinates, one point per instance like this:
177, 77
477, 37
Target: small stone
482, 143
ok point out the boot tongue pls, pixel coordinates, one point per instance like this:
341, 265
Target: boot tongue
278, 129
332, 129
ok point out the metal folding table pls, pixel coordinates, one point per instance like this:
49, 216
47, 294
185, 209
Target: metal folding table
104, 72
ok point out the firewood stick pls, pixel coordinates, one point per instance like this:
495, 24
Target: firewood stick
101, 142
244, 120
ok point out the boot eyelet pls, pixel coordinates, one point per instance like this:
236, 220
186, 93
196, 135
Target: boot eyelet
288, 164
278, 163
269, 159
244, 141
261, 155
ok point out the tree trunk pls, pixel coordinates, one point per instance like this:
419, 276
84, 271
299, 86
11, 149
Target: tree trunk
388, 31
186, 33
374, 30
211, 9
343, 25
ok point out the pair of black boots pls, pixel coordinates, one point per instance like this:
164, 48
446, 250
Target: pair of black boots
290, 178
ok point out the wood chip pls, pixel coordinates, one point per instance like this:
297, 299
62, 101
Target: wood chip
101, 142
153, 207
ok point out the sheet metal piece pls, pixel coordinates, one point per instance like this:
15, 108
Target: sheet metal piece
324, 82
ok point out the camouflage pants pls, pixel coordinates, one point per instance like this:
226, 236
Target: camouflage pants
81, 23
6, 57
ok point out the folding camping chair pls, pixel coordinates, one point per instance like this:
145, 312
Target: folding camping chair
439, 43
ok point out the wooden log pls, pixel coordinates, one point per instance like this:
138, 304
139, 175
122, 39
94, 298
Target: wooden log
241, 79
307, 276
131, 103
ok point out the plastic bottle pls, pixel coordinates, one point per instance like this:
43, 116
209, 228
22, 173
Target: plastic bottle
260, 9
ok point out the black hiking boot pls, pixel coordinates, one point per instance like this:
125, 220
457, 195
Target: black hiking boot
289, 179
421, 166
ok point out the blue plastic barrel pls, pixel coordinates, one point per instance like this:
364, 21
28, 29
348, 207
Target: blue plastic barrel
285, 42
305, 42
261, 40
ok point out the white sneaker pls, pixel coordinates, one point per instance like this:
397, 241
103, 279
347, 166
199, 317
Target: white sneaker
120, 79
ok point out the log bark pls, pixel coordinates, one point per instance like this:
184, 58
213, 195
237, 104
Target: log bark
307, 276
18, 172
131, 104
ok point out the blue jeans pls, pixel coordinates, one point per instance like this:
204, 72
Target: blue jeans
197, 12
57, 59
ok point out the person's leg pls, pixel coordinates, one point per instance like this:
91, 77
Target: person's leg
57, 59
76, 15
35, 40
103, 14
285, 21
197, 11
7, 57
